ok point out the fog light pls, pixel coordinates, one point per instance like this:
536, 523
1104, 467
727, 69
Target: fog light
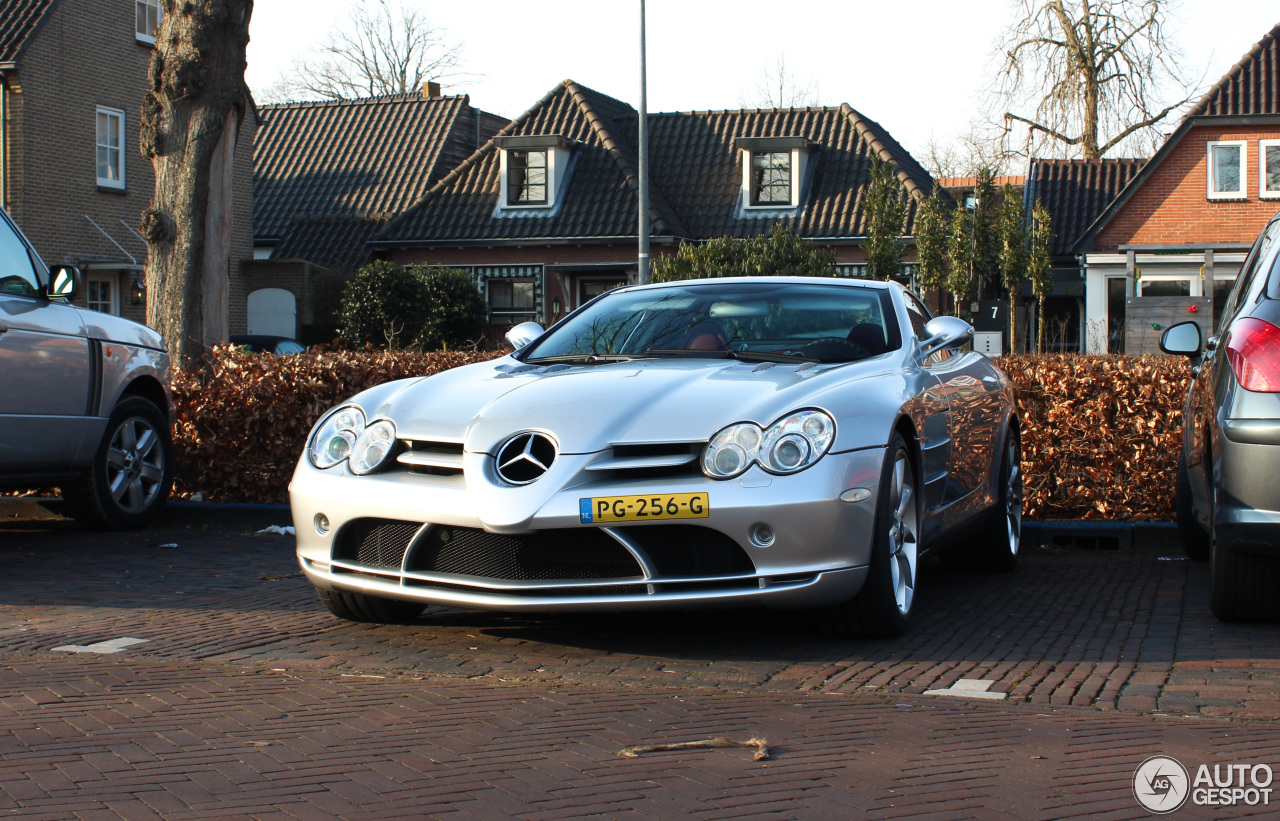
322, 524
762, 535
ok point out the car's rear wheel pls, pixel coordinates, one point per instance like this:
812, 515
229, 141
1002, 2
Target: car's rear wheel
132, 471
884, 605
363, 607
997, 547
1195, 542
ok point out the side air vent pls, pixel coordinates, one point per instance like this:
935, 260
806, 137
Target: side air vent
439, 458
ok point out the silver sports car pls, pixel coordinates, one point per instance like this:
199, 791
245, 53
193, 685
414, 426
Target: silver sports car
789, 442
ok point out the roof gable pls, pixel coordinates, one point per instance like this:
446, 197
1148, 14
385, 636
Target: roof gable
1075, 192
1251, 86
695, 174
19, 20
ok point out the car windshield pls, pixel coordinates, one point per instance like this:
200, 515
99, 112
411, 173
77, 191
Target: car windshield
755, 321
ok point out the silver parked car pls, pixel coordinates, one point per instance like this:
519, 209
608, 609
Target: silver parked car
789, 442
1228, 483
84, 397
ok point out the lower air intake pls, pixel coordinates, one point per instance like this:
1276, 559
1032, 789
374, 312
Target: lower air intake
543, 556
375, 542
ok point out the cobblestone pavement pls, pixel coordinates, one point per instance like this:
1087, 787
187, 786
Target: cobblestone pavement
248, 699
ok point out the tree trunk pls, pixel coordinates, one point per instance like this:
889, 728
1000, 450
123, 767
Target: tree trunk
1013, 323
1040, 325
190, 125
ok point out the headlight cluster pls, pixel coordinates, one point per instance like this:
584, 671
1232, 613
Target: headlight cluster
791, 444
343, 436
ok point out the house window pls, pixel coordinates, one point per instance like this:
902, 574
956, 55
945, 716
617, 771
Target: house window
101, 293
110, 141
771, 178
526, 177
1228, 168
512, 300
1269, 168
149, 16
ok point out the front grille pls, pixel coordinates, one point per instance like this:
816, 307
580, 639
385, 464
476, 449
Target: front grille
681, 551
587, 553
375, 542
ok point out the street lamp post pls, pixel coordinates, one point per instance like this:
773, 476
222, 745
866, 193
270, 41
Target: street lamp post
643, 170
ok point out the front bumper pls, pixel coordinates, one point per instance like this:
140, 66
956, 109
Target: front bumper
819, 554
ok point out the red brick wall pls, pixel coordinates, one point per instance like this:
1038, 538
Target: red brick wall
1172, 206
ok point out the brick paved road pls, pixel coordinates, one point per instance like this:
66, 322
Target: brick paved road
248, 699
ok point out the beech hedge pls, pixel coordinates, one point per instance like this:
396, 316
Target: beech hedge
1100, 434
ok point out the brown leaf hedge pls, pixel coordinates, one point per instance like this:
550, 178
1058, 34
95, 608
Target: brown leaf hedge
1100, 434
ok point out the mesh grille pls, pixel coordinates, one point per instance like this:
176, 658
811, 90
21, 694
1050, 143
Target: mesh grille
549, 554
375, 542
689, 550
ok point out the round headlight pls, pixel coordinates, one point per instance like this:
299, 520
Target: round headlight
373, 447
333, 441
796, 441
731, 451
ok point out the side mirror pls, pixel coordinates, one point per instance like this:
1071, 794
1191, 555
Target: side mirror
64, 282
1183, 339
524, 333
944, 332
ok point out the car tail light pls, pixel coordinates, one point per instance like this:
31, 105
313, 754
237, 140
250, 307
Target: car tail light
1253, 349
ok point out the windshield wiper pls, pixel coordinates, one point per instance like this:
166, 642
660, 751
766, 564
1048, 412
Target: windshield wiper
583, 357
744, 356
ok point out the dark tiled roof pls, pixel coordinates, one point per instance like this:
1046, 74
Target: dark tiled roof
356, 158
1252, 86
695, 175
18, 20
333, 242
1076, 192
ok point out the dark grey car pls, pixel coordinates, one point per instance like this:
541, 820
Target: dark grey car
1228, 486
84, 398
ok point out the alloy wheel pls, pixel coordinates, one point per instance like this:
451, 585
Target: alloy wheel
1013, 496
903, 533
135, 465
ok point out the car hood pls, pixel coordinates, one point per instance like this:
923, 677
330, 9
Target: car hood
587, 408
109, 328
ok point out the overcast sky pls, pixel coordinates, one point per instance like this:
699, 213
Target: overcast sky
916, 66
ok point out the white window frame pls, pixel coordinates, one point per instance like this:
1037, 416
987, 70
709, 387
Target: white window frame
112, 282
799, 167
557, 169
144, 7
1264, 192
1243, 191
107, 182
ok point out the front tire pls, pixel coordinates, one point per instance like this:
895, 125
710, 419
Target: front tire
132, 472
365, 608
884, 606
1195, 542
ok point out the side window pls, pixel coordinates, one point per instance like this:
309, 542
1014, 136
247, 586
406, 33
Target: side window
1252, 264
17, 273
919, 316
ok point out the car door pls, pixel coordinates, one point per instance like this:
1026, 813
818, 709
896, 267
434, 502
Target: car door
44, 366
936, 442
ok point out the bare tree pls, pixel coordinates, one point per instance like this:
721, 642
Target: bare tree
388, 47
1089, 75
778, 88
966, 155
190, 125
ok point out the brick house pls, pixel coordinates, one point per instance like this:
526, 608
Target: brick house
1075, 192
545, 214
73, 74
1178, 231
326, 177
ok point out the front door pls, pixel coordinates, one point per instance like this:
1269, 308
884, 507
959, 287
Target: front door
589, 289
44, 368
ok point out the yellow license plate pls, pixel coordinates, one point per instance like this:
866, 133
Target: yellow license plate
644, 508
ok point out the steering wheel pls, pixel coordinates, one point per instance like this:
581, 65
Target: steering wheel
834, 349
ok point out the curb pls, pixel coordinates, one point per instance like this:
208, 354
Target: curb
1091, 535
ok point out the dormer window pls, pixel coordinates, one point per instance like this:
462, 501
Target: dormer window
533, 170
526, 177
773, 171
